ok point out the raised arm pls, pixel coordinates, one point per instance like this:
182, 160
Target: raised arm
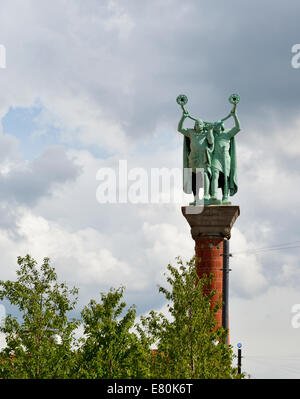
226, 117
232, 112
232, 132
180, 124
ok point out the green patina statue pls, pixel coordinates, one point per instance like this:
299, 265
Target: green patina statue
211, 148
197, 153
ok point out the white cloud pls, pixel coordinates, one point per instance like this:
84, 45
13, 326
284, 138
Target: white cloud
9, 152
79, 257
119, 20
246, 278
2, 341
287, 140
263, 324
81, 121
163, 243
25, 182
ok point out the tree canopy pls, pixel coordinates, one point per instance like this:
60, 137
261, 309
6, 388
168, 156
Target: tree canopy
40, 344
188, 343
41, 340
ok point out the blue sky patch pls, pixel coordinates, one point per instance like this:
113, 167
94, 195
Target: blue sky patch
22, 122
35, 137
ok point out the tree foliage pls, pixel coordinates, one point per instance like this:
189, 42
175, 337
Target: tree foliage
40, 344
110, 348
188, 343
114, 344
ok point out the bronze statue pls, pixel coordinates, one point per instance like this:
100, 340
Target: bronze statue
211, 148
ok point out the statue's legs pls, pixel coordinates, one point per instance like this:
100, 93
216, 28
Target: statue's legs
196, 184
206, 185
226, 167
214, 183
199, 180
225, 190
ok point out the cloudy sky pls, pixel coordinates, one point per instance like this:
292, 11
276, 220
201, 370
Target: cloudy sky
89, 83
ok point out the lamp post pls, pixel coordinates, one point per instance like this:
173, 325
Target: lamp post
239, 363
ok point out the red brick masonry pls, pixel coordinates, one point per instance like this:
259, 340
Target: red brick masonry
209, 260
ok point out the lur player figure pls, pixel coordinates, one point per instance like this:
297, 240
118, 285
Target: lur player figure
197, 152
212, 148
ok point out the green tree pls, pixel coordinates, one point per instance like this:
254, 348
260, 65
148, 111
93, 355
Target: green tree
188, 343
111, 348
40, 341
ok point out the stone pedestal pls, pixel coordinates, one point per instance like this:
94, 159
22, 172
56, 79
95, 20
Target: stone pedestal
210, 226
211, 220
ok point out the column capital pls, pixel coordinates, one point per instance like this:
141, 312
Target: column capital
212, 220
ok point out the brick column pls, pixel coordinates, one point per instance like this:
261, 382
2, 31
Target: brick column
209, 260
210, 225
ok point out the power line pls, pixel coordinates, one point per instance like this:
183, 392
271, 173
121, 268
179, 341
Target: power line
277, 247
263, 252
273, 246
